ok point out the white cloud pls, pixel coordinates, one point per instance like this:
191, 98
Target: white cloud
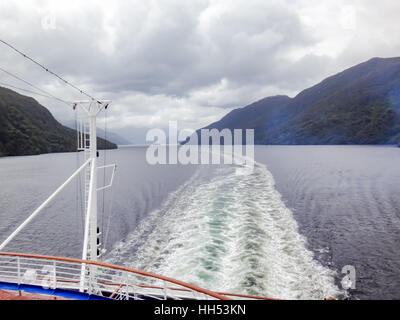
190, 61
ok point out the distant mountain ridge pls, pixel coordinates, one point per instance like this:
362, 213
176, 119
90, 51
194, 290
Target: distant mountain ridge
360, 105
28, 128
111, 136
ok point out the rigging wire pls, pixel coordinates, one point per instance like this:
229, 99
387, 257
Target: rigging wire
26, 90
104, 172
111, 201
49, 95
78, 191
47, 70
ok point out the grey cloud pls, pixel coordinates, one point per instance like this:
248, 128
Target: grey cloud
195, 59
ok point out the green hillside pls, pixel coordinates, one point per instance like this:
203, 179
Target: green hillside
360, 105
27, 128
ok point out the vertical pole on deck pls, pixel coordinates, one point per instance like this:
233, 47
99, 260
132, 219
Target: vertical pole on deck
90, 245
90, 236
93, 110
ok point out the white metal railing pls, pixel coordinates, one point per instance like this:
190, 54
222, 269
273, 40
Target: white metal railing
104, 280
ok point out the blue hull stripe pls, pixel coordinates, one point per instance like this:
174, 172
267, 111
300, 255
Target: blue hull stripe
75, 295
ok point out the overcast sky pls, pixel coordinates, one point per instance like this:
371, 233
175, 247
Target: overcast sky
189, 61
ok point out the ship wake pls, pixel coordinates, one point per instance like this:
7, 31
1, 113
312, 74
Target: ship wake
228, 232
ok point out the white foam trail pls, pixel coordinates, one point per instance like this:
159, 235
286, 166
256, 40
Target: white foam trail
229, 233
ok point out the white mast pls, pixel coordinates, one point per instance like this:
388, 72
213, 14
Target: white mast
87, 142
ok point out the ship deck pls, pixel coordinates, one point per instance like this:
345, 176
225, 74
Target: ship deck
22, 295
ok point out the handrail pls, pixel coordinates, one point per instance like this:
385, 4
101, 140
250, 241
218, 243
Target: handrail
106, 265
246, 296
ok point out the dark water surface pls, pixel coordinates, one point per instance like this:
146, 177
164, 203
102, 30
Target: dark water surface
27, 181
284, 231
346, 200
